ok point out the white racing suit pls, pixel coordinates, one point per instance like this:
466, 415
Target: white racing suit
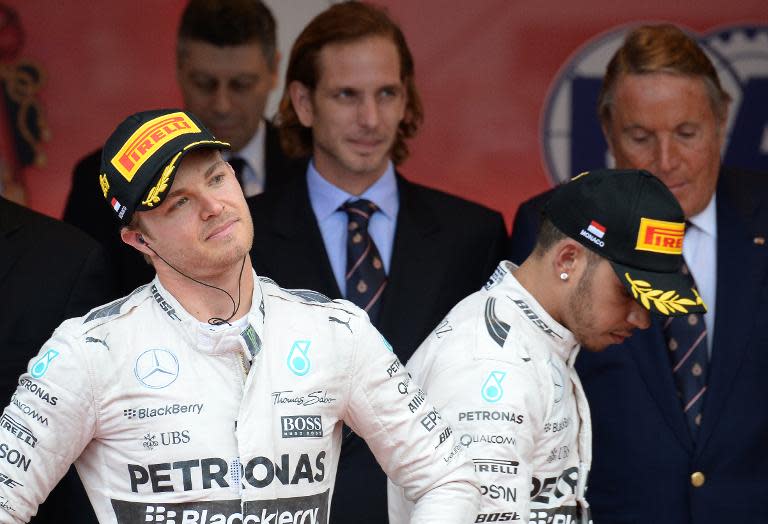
500, 369
166, 424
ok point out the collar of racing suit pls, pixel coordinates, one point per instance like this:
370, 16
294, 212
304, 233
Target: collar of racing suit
558, 339
221, 339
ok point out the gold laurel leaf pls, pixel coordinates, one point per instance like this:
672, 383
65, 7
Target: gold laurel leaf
677, 307
662, 309
666, 296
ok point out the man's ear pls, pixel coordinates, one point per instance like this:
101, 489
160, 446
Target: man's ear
569, 258
301, 98
135, 239
605, 125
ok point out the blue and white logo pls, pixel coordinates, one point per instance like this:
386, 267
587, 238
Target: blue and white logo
571, 135
492, 390
156, 368
386, 343
41, 366
298, 360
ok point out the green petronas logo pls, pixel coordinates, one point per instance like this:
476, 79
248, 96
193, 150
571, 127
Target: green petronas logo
492, 390
298, 361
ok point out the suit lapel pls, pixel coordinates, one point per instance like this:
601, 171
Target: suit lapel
272, 156
411, 257
648, 348
295, 222
741, 267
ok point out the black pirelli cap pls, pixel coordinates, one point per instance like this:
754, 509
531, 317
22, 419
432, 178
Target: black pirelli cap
630, 218
141, 156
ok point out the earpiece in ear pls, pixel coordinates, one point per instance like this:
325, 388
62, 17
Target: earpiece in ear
141, 240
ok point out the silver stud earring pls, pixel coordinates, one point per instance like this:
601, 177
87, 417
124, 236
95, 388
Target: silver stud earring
563, 276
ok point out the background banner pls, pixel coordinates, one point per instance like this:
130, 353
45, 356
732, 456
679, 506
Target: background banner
509, 87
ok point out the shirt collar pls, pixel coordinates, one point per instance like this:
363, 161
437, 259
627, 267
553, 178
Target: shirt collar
326, 198
706, 221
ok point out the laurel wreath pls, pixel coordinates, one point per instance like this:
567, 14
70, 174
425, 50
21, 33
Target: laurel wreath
104, 183
153, 197
665, 301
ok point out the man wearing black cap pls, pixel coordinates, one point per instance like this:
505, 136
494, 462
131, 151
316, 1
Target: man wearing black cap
210, 395
500, 365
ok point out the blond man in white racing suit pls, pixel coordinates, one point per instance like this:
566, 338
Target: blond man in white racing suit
210, 395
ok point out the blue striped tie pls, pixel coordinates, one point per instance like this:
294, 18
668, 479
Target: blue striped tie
687, 343
365, 277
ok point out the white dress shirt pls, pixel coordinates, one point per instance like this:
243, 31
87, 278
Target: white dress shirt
700, 252
254, 172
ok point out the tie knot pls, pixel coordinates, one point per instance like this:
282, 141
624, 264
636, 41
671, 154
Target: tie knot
359, 211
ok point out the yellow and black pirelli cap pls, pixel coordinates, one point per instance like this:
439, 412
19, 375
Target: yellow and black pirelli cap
630, 218
141, 156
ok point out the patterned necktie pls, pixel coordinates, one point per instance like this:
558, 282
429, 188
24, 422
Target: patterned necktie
687, 342
238, 164
365, 277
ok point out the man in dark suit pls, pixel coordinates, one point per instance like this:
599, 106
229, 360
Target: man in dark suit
227, 64
49, 272
663, 109
351, 103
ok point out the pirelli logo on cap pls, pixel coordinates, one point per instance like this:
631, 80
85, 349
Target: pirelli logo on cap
660, 236
149, 138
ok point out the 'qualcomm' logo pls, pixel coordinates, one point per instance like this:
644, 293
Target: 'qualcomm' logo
156, 368
492, 390
298, 361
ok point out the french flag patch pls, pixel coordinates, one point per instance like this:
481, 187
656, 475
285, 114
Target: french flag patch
596, 228
116, 205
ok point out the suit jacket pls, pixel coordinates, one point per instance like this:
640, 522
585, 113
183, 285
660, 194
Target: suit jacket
87, 210
444, 249
49, 272
643, 453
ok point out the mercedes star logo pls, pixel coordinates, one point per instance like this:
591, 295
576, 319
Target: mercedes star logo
156, 368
